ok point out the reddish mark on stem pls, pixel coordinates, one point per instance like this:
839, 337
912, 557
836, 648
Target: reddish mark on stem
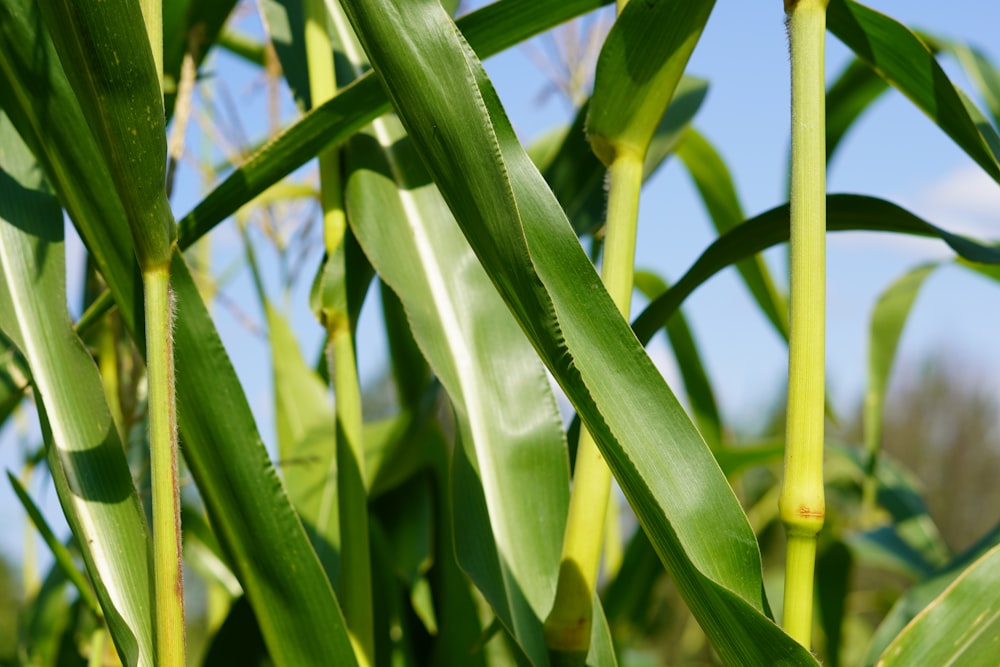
805, 511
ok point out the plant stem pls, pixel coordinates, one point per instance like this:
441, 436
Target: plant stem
354, 587
802, 504
567, 628
169, 587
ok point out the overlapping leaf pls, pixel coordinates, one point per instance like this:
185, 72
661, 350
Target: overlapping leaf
489, 31
513, 450
523, 240
84, 454
906, 63
292, 597
960, 627
843, 213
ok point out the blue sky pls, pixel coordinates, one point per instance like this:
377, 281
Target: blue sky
894, 152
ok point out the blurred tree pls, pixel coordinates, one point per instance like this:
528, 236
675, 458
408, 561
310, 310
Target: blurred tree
943, 423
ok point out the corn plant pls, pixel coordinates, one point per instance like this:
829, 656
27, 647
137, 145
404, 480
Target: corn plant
466, 526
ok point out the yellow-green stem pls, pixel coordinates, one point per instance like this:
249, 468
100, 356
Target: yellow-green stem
802, 504
169, 587
355, 586
567, 628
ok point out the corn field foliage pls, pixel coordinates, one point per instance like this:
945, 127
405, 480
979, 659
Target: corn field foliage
433, 522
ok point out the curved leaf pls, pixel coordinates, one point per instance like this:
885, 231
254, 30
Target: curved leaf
245, 499
888, 318
85, 456
920, 596
902, 59
696, 382
641, 62
526, 245
850, 94
960, 627
576, 176
843, 213
711, 176
490, 30
513, 449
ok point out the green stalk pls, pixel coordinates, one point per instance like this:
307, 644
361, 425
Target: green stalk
169, 586
802, 504
567, 628
354, 588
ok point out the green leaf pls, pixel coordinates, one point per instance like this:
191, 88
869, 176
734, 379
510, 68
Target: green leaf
984, 75
711, 176
525, 243
307, 441
84, 453
853, 91
64, 559
298, 614
490, 30
247, 504
640, 64
833, 577
919, 597
105, 52
577, 177
189, 26
45, 620
696, 382
284, 21
888, 318
960, 627
508, 422
912, 545
843, 213
903, 60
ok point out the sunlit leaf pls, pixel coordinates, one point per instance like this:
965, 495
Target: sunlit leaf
489, 30
84, 453
245, 499
640, 64
902, 59
525, 243
960, 627
715, 185
509, 426
843, 213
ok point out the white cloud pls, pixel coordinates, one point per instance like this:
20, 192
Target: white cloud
966, 201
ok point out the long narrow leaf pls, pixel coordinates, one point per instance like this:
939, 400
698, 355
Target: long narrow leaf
960, 627
85, 456
696, 384
489, 30
250, 511
711, 176
508, 422
524, 241
843, 213
902, 59
888, 318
